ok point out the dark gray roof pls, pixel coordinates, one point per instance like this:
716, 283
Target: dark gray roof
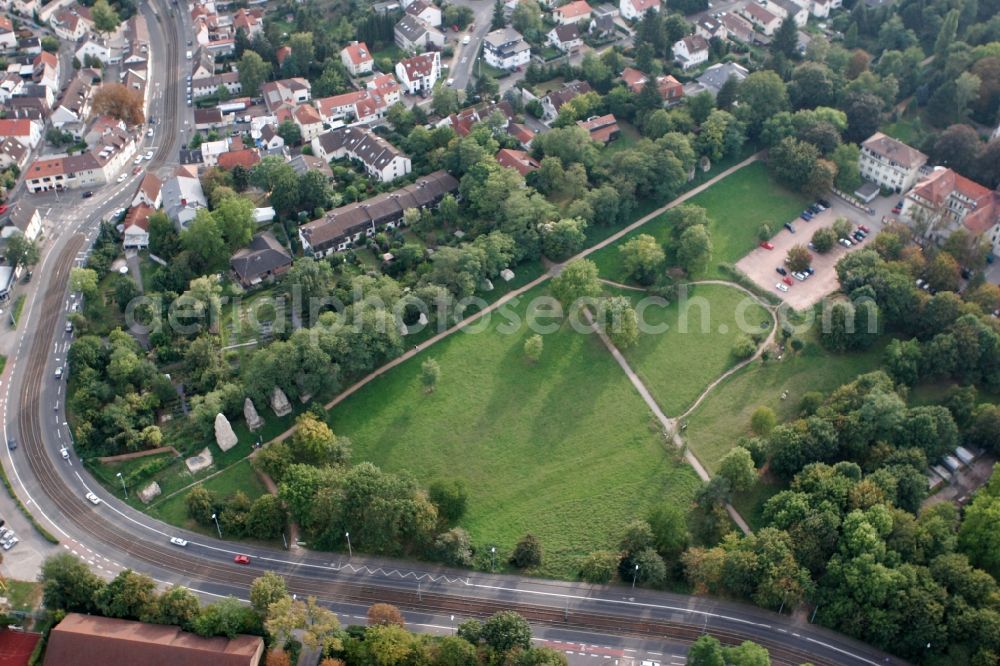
364, 144
263, 255
411, 28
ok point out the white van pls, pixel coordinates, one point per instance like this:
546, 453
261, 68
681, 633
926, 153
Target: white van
188, 54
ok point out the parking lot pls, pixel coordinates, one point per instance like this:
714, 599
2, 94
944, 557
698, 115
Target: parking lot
760, 264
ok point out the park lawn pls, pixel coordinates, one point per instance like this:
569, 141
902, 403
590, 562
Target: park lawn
628, 137
24, 595
238, 477
909, 129
736, 205
677, 365
564, 449
725, 414
16, 309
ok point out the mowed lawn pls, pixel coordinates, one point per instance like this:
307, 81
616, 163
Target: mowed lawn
677, 364
725, 414
736, 205
564, 449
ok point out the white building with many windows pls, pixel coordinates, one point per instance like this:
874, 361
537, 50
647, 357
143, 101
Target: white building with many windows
890, 163
506, 49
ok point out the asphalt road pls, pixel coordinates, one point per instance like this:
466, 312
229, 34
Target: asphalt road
606, 622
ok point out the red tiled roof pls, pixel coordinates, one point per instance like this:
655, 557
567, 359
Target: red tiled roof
517, 159
634, 79
573, 10
419, 66
16, 647
601, 128
245, 158
15, 127
358, 53
138, 216
283, 53
642, 5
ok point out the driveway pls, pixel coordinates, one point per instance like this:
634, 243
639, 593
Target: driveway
760, 264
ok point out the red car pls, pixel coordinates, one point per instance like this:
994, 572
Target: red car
864, 228
787, 280
242, 559
3, 208
454, 27
766, 245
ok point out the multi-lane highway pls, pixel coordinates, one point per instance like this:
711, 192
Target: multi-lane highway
593, 621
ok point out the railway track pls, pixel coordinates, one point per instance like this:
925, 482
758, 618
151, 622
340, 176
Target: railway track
327, 585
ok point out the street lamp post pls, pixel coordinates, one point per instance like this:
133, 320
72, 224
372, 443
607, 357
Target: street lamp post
493, 551
119, 475
350, 551
216, 519
634, 576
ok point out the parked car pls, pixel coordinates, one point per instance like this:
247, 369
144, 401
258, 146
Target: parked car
242, 559
787, 280
799, 276
781, 270
791, 229
898, 207
466, 39
3, 208
781, 286
845, 242
121, 178
766, 245
823, 202
809, 270
864, 228
88, 194
806, 216
858, 236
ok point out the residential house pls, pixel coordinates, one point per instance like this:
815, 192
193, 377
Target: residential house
29, 45
602, 21
286, 91
281, 54
670, 89
210, 151
524, 134
418, 74
202, 65
506, 49
209, 86
357, 58
302, 164
309, 121
26, 219
691, 51
149, 192
27, 132
767, 21
11, 84
788, 9
357, 106
552, 102
710, 28
270, 139
520, 160
572, 12
208, 119
72, 23
713, 78
947, 201
251, 22
183, 196
413, 35
25, 7
382, 160
238, 157
737, 28
261, 261
340, 228
602, 129
633, 10
8, 38
566, 38
91, 640
385, 90
427, 12
634, 80
463, 121
93, 47
45, 71
31, 106
13, 153
137, 32
64, 173
889, 163
136, 233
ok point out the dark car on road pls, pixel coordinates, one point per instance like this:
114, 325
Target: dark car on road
11, 444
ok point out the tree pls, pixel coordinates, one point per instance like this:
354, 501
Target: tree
845, 157
129, 596
798, 258
69, 584
454, 547
22, 251
643, 257
669, 526
204, 241
737, 466
200, 505
620, 322
706, 651
266, 518
793, 161
318, 625
430, 373
277, 657
785, 41
763, 421
499, 20
84, 282
978, 537
234, 217
290, 132
943, 272
450, 497
254, 71
385, 614
563, 238
946, 35
761, 96
313, 443
695, 249
578, 280
824, 239
652, 570
177, 605
533, 348
446, 100
527, 552
864, 112
958, 148
119, 102
599, 567
105, 18
266, 590
506, 631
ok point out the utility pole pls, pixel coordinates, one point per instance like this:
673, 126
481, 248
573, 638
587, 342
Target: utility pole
216, 519
350, 551
119, 475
